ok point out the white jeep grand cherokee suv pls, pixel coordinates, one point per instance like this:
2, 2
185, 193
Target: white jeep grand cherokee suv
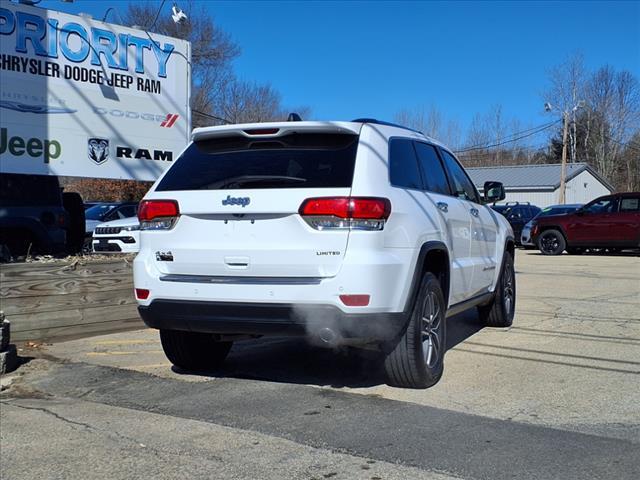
356, 233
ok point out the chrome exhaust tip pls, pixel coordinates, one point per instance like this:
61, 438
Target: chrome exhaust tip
328, 336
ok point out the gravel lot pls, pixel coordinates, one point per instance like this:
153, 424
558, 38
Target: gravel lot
555, 396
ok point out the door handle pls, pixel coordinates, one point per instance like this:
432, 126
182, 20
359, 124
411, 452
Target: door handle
475, 212
443, 206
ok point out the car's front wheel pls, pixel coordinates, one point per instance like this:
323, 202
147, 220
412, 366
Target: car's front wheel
417, 360
193, 350
551, 242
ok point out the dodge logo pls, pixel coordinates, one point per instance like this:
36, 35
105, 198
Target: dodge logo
98, 150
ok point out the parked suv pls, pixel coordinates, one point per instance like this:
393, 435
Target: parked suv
518, 215
611, 222
361, 233
37, 217
118, 236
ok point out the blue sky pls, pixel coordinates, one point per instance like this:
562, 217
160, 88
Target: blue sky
354, 59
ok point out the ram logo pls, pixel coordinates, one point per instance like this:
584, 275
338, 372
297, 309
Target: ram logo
98, 150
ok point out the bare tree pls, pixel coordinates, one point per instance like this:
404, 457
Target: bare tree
217, 96
431, 122
566, 90
212, 49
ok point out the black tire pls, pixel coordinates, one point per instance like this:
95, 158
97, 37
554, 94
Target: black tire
193, 350
551, 242
74, 206
5, 253
417, 360
87, 245
501, 310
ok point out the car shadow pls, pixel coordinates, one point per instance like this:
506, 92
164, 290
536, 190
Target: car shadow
296, 361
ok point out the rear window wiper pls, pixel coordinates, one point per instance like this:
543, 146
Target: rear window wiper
245, 180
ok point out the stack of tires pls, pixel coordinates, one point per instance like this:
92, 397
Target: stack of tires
8, 353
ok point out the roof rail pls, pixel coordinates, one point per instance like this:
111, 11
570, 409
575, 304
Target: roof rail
382, 122
518, 203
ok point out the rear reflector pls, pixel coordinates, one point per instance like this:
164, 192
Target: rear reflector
355, 300
361, 213
142, 293
158, 214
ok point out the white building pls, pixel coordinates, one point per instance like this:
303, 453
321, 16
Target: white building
540, 184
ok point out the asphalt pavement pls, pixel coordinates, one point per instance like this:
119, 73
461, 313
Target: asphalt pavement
555, 396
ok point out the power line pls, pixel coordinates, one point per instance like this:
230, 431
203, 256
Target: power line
157, 15
208, 115
532, 131
526, 148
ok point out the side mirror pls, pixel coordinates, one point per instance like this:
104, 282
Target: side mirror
494, 192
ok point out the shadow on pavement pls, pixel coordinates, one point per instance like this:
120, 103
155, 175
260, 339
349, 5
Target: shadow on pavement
294, 360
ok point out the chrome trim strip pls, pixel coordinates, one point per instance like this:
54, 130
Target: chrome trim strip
237, 280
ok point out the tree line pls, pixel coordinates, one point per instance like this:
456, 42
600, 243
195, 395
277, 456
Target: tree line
603, 107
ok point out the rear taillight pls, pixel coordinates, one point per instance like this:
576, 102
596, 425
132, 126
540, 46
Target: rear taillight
158, 214
355, 213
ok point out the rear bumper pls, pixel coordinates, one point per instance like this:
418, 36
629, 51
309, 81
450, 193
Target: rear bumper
269, 319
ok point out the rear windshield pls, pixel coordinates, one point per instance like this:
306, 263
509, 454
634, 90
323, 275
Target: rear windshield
309, 160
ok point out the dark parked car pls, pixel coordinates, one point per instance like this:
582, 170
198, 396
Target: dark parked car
37, 217
611, 222
517, 214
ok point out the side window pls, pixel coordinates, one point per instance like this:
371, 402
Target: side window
630, 205
403, 165
461, 184
605, 205
432, 170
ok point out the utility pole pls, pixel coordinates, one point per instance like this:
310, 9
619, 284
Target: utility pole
563, 171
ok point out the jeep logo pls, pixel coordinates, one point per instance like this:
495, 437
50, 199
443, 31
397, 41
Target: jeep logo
33, 147
244, 201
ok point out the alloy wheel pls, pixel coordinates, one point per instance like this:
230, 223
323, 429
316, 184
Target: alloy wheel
431, 329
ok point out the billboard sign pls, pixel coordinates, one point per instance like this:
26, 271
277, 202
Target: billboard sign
79, 97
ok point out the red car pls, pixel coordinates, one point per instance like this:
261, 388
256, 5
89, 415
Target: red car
611, 222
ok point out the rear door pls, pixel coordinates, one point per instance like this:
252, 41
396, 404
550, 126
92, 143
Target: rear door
456, 218
239, 196
628, 224
484, 227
